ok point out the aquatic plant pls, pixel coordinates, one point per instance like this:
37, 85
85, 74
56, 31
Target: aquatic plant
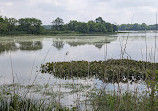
108, 71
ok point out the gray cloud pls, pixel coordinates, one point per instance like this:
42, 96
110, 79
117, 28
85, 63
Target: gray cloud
115, 11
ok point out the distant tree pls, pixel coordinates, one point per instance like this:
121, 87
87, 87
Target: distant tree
3, 25
30, 25
3, 28
72, 25
82, 27
109, 27
57, 24
12, 23
122, 27
1, 19
92, 26
144, 26
152, 27
99, 20
136, 26
129, 26
115, 28
100, 28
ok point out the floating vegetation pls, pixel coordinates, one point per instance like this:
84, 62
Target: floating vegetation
108, 71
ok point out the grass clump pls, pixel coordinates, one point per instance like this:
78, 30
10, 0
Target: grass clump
122, 102
19, 103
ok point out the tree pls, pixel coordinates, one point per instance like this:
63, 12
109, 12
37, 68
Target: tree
100, 28
82, 27
3, 28
11, 22
122, 27
30, 25
3, 25
144, 26
136, 26
1, 19
57, 24
99, 20
72, 25
115, 28
109, 27
92, 26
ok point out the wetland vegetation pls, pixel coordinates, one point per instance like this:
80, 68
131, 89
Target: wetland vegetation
108, 71
112, 72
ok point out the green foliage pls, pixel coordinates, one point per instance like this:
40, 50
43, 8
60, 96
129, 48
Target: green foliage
92, 26
30, 25
115, 28
108, 71
103, 101
11, 22
82, 27
18, 103
57, 24
109, 27
100, 28
137, 27
3, 25
3, 28
11, 26
99, 20
96, 26
72, 25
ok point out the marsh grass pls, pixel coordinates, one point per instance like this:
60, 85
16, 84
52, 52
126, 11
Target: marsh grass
108, 102
10, 101
18, 103
112, 71
95, 99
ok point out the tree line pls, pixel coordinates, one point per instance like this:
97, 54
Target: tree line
94, 26
137, 27
34, 26
23, 26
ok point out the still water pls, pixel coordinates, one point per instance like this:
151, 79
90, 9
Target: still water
21, 57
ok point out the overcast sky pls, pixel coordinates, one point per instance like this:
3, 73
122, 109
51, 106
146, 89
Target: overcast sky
114, 11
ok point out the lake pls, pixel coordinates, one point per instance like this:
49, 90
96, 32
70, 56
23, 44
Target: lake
22, 56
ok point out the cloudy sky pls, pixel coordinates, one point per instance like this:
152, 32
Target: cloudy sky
114, 11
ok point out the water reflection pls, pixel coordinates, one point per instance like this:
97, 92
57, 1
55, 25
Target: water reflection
97, 41
58, 44
7, 46
99, 45
14, 46
34, 45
